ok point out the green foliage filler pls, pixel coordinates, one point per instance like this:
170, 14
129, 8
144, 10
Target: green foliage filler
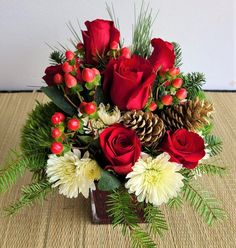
122, 210
57, 57
178, 54
30, 194
214, 144
194, 82
205, 205
210, 169
142, 32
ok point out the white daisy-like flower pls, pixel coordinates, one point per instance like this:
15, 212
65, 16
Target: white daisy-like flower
155, 180
72, 173
107, 116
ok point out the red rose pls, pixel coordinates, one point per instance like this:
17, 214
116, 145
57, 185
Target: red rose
97, 39
163, 55
184, 147
128, 82
50, 73
121, 147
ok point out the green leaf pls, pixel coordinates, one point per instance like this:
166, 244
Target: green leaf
57, 57
99, 96
58, 98
108, 182
86, 139
175, 202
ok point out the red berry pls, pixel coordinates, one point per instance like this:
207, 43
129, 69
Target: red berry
82, 106
167, 83
80, 46
66, 67
88, 75
174, 71
58, 79
73, 124
70, 81
57, 147
96, 71
56, 119
114, 45
152, 106
177, 83
61, 116
90, 108
125, 52
56, 133
181, 94
69, 55
167, 100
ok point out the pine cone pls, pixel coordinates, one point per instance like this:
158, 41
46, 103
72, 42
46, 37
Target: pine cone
192, 115
148, 126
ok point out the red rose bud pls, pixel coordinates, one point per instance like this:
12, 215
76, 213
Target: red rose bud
152, 106
90, 108
66, 67
125, 52
167, 100
96, 71
174, 71
56, 119
80, 46
73, 124
181, 94
60, 115
82, 107
56, 133
88, 75
114, 45
58, 79
57, 148
69, 55
70, 81
167, 83
177, 83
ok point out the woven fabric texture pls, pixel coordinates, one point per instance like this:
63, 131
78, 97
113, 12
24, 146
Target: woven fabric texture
62, 222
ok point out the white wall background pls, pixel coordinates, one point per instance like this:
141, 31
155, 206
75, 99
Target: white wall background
204, 28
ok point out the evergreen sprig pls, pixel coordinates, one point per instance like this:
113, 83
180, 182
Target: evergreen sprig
121, 208
214, 144
193, 82
176, 202
141, 239
178, 54
142, 32
35, 136
56, 57
14, 168
210, 169
30, 194
205, 205
155, 219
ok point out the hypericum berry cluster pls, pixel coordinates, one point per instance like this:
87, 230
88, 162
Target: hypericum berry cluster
61, 128
170, 90
88, 108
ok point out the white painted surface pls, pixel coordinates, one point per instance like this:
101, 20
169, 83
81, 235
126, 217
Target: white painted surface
204, 28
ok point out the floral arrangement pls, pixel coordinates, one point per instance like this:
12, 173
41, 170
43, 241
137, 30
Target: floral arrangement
124, 120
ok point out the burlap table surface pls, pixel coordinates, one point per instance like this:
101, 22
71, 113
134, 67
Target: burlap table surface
62, 222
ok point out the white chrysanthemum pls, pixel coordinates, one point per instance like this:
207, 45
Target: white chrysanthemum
155, 180
73, 174
108, 117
